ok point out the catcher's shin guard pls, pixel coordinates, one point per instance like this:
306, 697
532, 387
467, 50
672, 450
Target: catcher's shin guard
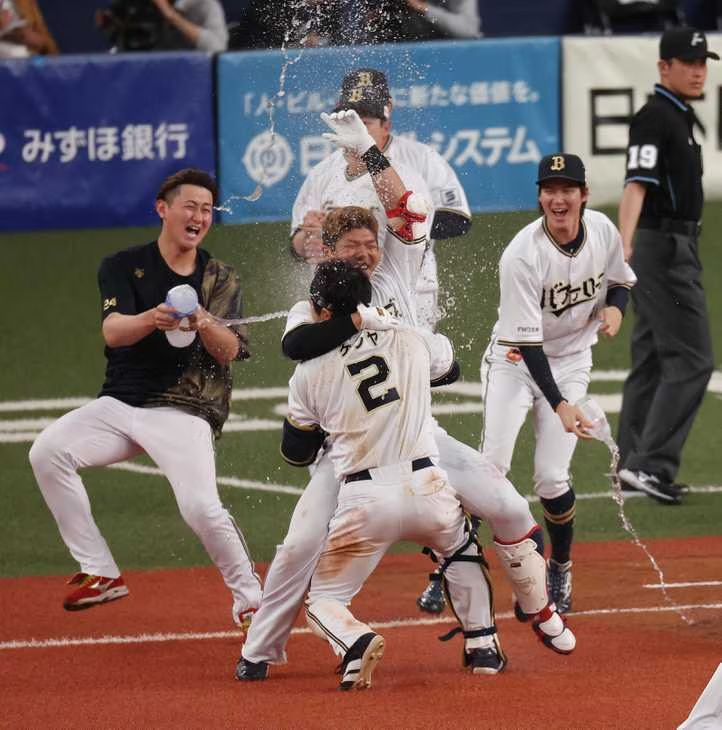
524, 564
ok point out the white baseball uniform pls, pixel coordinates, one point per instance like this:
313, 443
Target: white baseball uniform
372, 396
423, 170
551, 297
481, 487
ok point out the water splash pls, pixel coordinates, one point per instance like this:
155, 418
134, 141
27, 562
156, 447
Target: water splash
250, 320
618, 498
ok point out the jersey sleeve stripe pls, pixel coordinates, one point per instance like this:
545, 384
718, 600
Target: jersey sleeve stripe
525, 343
421, 239
639, 178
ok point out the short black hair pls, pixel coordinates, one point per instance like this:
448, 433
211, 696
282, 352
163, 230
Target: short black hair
188, 176
340, 287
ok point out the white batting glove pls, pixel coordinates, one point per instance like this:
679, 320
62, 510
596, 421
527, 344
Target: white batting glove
376, 318
348, 131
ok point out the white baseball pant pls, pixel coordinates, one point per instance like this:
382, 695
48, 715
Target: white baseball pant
107, 431
509, 392
482, 490
372, 514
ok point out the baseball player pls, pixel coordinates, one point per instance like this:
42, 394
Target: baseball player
372, 399
341, 179
563, 280
351, 234
166, 400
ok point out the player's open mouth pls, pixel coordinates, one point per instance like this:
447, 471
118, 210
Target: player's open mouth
193, 231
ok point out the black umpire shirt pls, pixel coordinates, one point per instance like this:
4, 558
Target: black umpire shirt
664, 156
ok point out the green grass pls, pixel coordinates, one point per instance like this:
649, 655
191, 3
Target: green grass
52, 348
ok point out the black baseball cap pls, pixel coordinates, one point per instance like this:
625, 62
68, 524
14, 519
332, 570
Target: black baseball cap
561, 166
366, 91
687, 44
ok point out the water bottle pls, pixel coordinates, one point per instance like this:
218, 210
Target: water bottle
184, 300
594, 413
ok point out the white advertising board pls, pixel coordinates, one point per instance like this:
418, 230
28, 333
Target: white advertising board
604, 81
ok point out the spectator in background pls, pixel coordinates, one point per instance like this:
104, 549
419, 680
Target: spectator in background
371, 21
165, 25
23, 31
274, 23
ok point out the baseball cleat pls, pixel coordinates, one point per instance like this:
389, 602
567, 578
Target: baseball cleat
552, 630
652, 486
484, 661
559, 577
247, 671
93, 590
432, 600
361, 660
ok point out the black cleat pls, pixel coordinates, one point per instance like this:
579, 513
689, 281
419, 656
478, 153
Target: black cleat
484, 661
559, 577
652, 486
360, 661
247, 671
432, 600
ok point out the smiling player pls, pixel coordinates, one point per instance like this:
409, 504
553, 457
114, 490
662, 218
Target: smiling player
563, 279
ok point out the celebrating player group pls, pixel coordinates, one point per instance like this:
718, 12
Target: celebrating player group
381, 469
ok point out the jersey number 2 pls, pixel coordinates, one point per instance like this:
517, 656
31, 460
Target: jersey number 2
364, 387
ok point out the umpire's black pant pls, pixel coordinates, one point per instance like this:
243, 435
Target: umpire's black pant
671, 351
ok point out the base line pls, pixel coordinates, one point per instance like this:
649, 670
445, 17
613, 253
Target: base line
395, 624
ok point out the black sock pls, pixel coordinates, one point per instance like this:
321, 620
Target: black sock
559, 519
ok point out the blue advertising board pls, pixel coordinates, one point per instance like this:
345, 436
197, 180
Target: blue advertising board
85, 141
490, 107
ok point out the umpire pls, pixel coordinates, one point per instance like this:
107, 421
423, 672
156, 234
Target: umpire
659, 218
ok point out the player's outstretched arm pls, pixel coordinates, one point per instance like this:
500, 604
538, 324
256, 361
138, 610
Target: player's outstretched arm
124, 330
402, 207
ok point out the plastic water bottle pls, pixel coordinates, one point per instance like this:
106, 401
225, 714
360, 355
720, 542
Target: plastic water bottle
594, 413
184, 300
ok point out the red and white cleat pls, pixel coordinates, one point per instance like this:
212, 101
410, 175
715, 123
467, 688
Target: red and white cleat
93, 590
552, 630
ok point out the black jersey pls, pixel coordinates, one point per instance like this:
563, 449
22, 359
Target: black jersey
664, 155
152, 372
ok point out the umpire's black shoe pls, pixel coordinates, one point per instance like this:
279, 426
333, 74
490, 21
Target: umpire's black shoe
251, 671
484, 661
652, 485
360, 661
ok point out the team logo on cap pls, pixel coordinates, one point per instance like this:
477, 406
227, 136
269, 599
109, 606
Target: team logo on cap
557, 163
696, 38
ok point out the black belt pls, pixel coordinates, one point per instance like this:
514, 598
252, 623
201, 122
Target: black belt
671, 225
423, 463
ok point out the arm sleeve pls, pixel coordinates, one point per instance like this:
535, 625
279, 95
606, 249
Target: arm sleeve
452, 215
116, 292
300, 444
461, 22
443, 367
520, 313
312, 340
643, 152
302, 435
618, 296
222, 296
538, 365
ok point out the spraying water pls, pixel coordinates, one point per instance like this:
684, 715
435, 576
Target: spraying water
601, 431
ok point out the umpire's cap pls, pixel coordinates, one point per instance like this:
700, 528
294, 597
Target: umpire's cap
687, 44
365, 90
561, 166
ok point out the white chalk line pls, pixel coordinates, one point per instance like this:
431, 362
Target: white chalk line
694, 584
64, 642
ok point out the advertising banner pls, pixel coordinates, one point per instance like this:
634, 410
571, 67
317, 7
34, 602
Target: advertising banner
86, 140
490, 107
606, 80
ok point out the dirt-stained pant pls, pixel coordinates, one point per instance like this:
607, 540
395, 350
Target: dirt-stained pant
395, 504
